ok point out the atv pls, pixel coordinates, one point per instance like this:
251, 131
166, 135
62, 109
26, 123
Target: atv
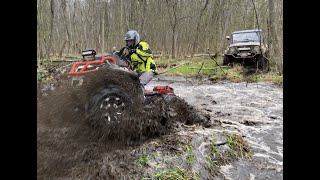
109, 89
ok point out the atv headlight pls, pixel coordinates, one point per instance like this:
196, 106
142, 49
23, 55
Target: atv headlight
232, 50
257, 49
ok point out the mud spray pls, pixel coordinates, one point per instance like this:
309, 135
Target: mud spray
70, 147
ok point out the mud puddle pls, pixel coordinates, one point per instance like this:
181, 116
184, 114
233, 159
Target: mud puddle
198, 144
253, 110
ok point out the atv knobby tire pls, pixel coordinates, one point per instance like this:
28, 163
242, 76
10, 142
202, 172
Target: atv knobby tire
108, 109
117, 91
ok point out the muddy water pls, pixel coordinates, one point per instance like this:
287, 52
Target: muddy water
253, 110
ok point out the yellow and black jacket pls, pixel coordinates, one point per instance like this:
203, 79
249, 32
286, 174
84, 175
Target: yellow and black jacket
142, 60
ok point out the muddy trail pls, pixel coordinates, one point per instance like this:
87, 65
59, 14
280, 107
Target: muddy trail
208, 131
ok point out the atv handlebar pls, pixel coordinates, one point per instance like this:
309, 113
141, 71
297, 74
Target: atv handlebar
125, 56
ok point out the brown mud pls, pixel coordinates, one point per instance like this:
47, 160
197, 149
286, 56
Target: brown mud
68, 146
186, 131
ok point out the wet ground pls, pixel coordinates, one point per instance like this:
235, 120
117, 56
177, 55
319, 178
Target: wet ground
67, 149
254, 110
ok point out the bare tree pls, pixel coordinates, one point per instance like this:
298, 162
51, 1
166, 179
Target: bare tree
198, 30
174, 21
273, 41
51, 29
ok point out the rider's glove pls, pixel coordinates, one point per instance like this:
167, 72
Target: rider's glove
131, 51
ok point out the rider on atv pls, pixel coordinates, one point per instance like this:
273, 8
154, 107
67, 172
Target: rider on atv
141, 57
110, 88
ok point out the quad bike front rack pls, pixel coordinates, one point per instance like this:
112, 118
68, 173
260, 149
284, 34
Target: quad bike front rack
78, 70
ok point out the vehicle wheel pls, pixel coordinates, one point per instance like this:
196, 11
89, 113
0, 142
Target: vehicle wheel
226, 60
263, 64
108, 109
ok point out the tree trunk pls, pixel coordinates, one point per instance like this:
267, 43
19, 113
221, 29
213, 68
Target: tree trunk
173, 49
67, 41
102, 33
51, 29
198, 29
273, 33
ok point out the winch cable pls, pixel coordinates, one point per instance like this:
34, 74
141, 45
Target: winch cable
171, 69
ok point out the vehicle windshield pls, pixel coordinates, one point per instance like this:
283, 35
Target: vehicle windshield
246, 37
